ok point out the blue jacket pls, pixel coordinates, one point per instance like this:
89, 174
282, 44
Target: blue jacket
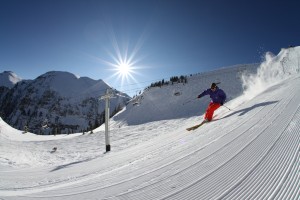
217, 96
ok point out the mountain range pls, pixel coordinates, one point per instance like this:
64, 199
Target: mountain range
55, 102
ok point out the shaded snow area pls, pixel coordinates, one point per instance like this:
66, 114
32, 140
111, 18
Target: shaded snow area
249, 152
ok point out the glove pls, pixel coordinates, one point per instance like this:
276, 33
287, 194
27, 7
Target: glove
222, 103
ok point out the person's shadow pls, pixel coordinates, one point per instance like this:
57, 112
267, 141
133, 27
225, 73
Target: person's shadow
69, 164
245, 110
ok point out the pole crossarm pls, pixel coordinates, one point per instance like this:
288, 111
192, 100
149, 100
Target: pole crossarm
107, 96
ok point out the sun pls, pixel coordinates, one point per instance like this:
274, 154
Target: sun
124, 61
124, 69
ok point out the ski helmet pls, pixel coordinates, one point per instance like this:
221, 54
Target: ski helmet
213, 85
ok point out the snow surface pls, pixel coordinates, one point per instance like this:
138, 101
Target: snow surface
250, 152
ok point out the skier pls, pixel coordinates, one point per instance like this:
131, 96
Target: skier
218, 98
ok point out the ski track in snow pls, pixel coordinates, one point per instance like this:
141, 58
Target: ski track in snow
252, 152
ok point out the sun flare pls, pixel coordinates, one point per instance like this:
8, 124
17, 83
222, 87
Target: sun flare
124, 62
124, 69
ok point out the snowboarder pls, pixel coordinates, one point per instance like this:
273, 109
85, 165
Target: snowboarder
218, 98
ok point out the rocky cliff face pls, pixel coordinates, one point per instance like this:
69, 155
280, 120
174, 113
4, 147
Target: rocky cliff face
57, 102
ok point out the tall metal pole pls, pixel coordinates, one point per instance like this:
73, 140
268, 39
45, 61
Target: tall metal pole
107, 141
107, 97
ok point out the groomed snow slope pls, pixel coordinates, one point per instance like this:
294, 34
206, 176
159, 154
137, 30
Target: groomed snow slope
252, 152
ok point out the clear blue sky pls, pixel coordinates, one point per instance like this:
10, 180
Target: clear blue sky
165, 38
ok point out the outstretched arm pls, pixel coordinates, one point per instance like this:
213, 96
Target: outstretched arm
203, 94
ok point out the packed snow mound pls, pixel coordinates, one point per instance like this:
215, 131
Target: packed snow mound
9, 79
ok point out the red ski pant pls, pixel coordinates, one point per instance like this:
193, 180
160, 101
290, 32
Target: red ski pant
210, 110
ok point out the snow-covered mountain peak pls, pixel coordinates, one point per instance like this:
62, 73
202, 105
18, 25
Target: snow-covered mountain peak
59, 75
9, 79
68, 84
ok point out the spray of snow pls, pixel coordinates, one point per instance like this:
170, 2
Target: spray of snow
272, 71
